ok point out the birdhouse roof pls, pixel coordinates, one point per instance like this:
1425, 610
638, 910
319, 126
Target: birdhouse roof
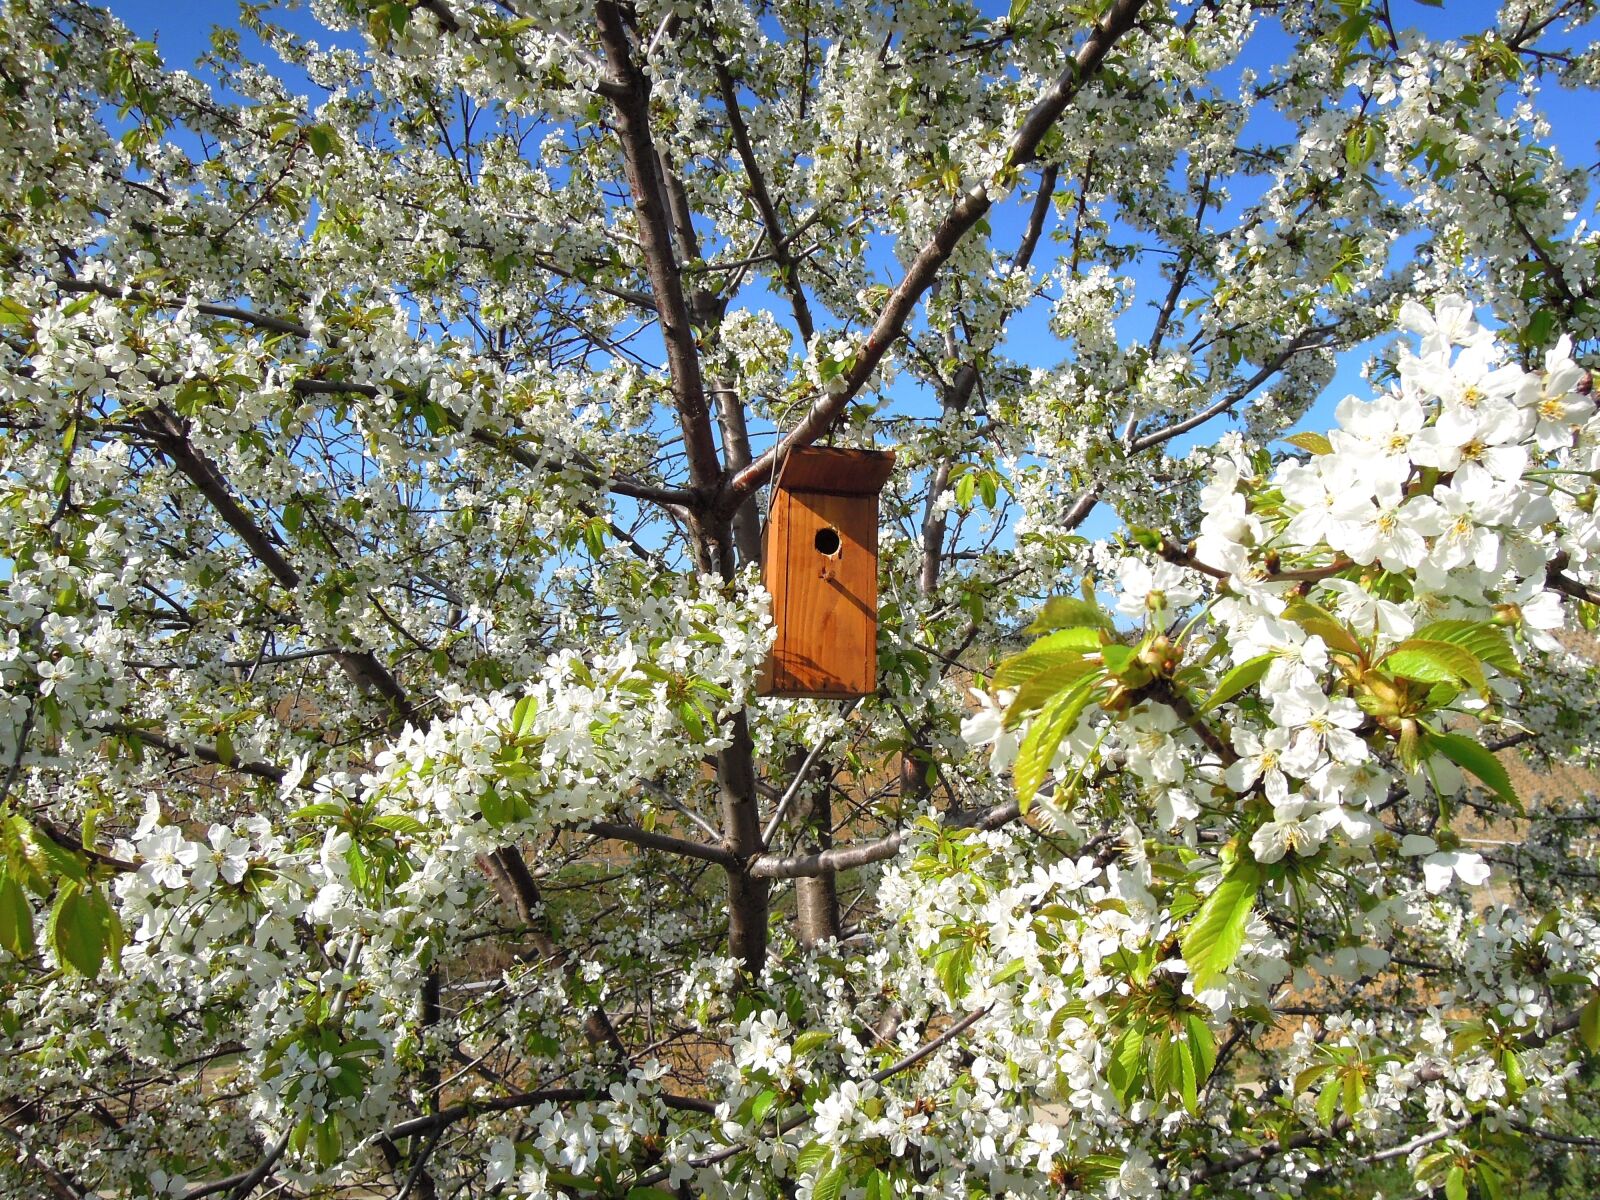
838, 472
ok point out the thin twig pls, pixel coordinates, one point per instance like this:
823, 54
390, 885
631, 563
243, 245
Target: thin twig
799, 780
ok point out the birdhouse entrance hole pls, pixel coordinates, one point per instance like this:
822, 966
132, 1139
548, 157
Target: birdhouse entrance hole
820, 564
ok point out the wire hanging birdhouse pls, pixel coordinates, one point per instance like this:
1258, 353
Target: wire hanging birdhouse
820, 564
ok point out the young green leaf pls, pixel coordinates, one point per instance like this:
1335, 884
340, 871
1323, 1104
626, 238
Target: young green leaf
1312, 443
1589, 1024
811, 1040
1044, 736
1060, 612
1435, 662
76, 931
16, 918
1485, 642
1470, 756
1125, 1071
1202, 1046
1037, 691
1245, 675
1216, 934
830, 1184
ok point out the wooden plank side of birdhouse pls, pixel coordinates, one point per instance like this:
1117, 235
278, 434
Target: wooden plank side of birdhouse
825, 550
775, 578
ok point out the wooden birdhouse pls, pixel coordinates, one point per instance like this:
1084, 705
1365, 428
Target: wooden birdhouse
820, 563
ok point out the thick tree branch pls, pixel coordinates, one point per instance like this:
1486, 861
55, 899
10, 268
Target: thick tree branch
226, 312
967, 210
650, 840
589, 472
1306, 339
628, 89
496, 1104
1037, 215
787, 265
1556, 579
507, 869
199, 751
843, 858
167, 432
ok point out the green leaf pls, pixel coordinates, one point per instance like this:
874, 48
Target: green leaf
1435, 662
1202, 1046
76, 931
954, 967
1188, 1076
810, 1040
1410, 745
1304, 1080
1313, 443
1245, 675
494, 806
812, 1155
1019, 10
311, 812
1455, 1184
329, 1143
1060, 612
1516, 1081
1214, 937
1488, 643
522, 716
1355, 1091
1010, 971
1360, 145
1125, 1071
16, 918
1164, 1069
1490, 1178
1470, 756
324, 141
830, 1184
398, 823
1044, 737
1021, 668
1036, 692
762, 1105
1589, 1024
64, 861
1085, 638
1326, 626
693, 720
1328, 1101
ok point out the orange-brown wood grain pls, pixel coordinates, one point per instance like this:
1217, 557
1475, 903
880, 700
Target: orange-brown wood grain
821, 567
